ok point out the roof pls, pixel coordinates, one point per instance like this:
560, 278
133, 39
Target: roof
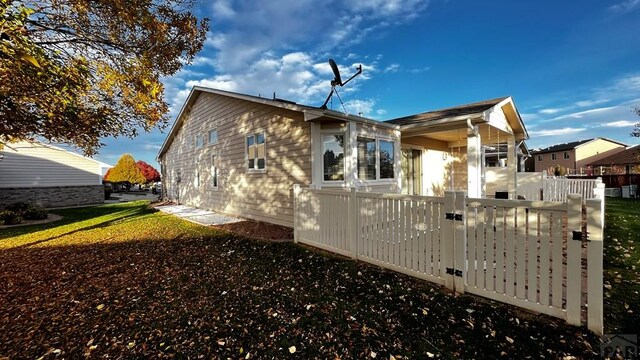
37, 143
571, 145
628, 156
461, 110
311, 112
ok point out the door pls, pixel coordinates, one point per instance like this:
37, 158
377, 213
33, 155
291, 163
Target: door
411, 171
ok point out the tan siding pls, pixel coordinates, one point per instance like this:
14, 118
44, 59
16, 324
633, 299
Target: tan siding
264, 196
30, 164
595, 150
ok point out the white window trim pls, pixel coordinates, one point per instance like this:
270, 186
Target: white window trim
378, 138
209, 136
554, 156
540, 157
345, 145
565, 155
246, 152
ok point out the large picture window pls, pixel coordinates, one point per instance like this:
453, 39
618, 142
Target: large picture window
366, 158
386, 160
256, 152
333, 157
374, 155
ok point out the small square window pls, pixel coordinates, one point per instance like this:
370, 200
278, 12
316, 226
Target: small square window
213, 136
256, 152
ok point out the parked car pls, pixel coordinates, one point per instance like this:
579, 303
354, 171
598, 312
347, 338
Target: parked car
157, 188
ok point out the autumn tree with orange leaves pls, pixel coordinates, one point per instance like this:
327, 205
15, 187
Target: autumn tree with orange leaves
76, 71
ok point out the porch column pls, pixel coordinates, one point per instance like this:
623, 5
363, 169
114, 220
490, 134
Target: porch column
474, 163
512, 167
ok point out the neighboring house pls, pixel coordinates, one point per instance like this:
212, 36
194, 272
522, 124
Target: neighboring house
34, 172
624, 162
574, 156
241, 154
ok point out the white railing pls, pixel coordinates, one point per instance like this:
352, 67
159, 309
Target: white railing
537, 186
515, 251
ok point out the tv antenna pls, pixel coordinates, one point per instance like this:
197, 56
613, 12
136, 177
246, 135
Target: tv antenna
337, 81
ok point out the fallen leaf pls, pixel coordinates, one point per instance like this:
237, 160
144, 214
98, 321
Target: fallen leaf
292, 349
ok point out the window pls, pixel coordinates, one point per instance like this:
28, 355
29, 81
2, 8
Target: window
373, 155
213, 136
540, 158
214, 172
333, 157
199, 141
566, 155
386, 159
256, 155
366, 159
196, 178
554, 156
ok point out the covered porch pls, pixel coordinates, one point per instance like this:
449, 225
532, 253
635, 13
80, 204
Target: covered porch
445, 149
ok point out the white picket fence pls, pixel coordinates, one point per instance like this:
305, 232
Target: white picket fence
537, 186
518, 252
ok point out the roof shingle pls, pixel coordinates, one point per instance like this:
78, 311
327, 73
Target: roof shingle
460, 110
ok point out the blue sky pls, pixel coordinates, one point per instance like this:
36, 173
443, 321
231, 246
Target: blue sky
573, 67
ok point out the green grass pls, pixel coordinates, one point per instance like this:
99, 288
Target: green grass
622, 266
122, 222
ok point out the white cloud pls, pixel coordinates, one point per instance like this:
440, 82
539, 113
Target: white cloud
357, 107
419, 70
582, 114
556, 132
222, 9
392, 68
549, 111
588, 103
625, 6
620, 123
154, 147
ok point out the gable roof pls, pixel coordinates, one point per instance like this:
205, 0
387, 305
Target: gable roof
310, 112
34, 143
571, 145
460, 110
628, 156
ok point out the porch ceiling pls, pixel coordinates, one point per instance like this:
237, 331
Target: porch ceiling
458, 137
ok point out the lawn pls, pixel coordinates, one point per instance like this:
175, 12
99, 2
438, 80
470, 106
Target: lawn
125, 281
622, 266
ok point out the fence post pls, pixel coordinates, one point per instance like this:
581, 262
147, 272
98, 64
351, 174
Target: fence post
354, 233
448, 238
574, 256
595, 227
296, 211
460, 242
598, 191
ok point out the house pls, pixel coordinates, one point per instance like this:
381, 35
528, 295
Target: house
573, 156
241, 155
35, 172
626, 161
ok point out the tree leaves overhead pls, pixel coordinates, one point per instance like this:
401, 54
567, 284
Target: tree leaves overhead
77, 71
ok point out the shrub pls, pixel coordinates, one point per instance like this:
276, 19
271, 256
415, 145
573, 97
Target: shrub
18, 207
35, 212
9, 217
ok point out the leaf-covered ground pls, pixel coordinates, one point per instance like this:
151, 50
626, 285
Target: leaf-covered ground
622, 266
122, 281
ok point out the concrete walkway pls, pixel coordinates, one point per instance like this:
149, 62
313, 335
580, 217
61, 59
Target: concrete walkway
202, 217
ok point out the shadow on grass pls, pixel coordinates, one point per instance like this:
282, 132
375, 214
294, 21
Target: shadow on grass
114, 212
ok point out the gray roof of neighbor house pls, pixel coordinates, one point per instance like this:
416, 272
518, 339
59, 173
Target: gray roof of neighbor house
461, 110
624, 157
570, 145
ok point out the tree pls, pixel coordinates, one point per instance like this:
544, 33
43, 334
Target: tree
126, 171
75, 71
148, 171
636, 128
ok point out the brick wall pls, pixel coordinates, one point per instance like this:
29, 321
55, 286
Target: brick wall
54, 196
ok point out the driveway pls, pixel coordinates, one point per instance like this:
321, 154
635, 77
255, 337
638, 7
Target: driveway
120, 197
